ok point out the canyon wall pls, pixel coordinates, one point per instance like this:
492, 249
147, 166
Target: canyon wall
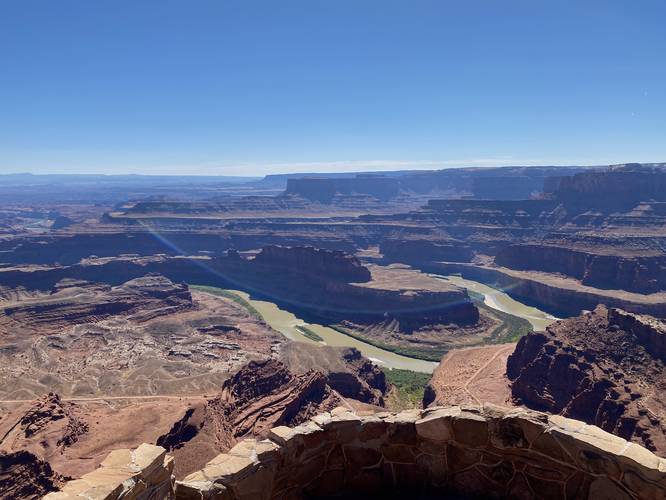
604, 367
621, 186
615, 268
313, 281
409, 250
558, 297
325, 189
314, 263
489, 452
501, 183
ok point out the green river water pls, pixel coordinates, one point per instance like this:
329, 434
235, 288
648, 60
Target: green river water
286, 323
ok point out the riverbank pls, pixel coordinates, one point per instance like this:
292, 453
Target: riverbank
292, 327
494, 304
558, 295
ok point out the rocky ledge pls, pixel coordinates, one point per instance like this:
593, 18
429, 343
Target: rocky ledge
141, 473
488, 452
604, 367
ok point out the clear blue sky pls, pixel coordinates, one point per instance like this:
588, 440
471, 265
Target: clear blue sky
250, 87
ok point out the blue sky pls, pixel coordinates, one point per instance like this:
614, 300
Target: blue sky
252, 87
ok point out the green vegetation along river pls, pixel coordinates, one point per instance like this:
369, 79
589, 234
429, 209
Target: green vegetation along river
501, 301
296, 329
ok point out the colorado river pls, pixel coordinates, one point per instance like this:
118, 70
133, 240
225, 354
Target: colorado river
501, 301
287, 323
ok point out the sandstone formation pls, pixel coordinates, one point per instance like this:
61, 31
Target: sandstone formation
45, 429
24, 476
312, 263
489, 452
508, 183
414, 250
259, 396
346, 370
326, 189
142, 473
614, 267
73, 302
554, 293
334, 287
605, 368
621, 186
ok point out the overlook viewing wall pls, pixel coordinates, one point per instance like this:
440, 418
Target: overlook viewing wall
488, 451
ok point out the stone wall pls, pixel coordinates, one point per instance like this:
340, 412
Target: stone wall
488, 451
141, 474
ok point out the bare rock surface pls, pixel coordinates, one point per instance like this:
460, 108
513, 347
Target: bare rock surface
72, 302
261, 395
144, 472
472, 375
23, 476
605, 367
346, 370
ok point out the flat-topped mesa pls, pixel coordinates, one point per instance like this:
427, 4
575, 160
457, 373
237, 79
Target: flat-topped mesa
314, 262
324, 190
605, 368
488, 452
618, 187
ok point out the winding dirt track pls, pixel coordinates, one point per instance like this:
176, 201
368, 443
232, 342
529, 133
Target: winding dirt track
107, 398
473, 375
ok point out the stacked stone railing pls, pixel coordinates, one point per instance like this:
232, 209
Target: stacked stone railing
144, 473
488, 452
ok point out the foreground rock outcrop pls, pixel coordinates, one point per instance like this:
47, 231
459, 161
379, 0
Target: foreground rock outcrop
472, 451
48, 426
490, 451
605, 368
261, 395
24, 476
346, 370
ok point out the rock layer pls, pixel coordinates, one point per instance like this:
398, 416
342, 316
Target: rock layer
346, 370
24, 476
261, 395
605, 368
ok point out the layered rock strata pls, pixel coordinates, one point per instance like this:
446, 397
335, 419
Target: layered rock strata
261, 395
346, 370
605, 368
613, 267
24, 476
72, 302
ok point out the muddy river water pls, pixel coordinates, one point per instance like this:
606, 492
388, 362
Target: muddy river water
286, 323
